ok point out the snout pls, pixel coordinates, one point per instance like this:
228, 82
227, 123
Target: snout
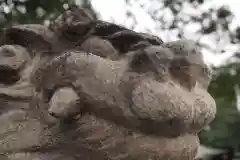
164, 105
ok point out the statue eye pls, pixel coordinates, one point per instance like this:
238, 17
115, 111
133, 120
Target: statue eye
180, 63
48, 93
141, 58
140, 62
6, 52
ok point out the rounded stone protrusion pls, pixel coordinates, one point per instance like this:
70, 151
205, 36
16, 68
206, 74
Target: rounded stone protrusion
73, 24
99, 47
125, 40
188, 66
64, 103
187, 49
12, 60
35, 37
161, 59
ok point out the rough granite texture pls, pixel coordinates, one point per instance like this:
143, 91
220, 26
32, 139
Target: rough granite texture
85, 89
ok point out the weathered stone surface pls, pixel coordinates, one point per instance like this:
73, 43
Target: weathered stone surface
34, 37
73, 23
12, 59
125, 39
106, 93
64, 103
99, 47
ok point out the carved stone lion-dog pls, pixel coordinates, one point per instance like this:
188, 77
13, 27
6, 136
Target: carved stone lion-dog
93, 90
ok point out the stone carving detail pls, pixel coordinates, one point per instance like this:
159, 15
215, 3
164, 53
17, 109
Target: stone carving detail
89, 89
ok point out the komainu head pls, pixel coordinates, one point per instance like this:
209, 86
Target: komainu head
106, 93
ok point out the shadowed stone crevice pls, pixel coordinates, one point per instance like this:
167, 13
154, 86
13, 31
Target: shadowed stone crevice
10, 77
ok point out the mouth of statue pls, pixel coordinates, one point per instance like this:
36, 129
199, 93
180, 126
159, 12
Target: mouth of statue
9, 76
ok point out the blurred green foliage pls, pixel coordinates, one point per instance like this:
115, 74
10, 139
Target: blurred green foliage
31, 11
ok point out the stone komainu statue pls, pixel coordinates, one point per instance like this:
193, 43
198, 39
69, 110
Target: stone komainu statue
91, 90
